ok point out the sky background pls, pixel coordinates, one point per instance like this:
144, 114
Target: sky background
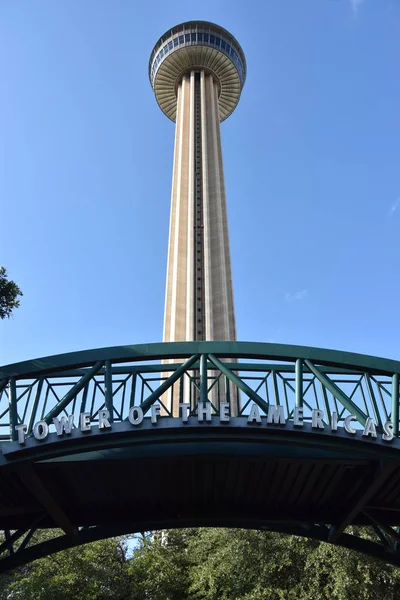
311, 158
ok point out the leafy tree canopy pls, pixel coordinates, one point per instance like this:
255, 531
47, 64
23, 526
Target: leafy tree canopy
204, 564
9, 293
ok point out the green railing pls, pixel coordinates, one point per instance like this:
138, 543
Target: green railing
237, 373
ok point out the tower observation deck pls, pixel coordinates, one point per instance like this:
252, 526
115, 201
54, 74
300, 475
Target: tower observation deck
197, 71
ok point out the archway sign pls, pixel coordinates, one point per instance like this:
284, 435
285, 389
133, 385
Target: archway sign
281, 438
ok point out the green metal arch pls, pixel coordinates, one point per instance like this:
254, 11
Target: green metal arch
160, 351
25, 387
85, 536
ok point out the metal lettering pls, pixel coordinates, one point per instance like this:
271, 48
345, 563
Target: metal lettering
276, 414
41, 430
204, 411
85, 422
254, 415
185, 410
104, 419
316, 419
21, 429
369, 429
298, 416
155, 412
224, 412
334, 421
347, 426
388, 435
64, 424
135, 415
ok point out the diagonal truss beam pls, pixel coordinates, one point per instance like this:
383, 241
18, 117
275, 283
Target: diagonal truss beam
35, 485
11, 538
239, 383
377, 479
3, 384
8, 543
337, 393
73, 392
382, 537
393, 535
145, 405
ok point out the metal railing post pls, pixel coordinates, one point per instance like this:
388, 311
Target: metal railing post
299, 382
108, 389
395, 403
203, 379
13, 409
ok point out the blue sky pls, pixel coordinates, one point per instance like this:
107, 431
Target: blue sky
311, 160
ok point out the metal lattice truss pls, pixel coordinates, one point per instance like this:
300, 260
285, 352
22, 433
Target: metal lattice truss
241, 375
118, 384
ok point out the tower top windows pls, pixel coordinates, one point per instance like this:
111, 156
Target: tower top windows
180, 46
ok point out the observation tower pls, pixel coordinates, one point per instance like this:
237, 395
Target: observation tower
291, 439
197, 71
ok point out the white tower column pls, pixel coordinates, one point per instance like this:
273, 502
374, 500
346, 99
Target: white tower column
197, 70
199, 295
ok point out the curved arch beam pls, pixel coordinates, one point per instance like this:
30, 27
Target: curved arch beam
165, 350
85, 536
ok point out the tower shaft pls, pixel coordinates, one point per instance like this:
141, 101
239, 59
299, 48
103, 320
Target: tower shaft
199, 295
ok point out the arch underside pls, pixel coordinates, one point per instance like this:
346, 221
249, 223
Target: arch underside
19, 554
199, 478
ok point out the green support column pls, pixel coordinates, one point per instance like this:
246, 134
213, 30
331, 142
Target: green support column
299, 382
181, 391
373, 399
203, 378
395, 403
12, 400
33, 418
228, 394
133, 390
108, 389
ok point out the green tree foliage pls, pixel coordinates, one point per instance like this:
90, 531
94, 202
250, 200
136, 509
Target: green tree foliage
205, 564
9, 292
253, 565
161, 570
94, 571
